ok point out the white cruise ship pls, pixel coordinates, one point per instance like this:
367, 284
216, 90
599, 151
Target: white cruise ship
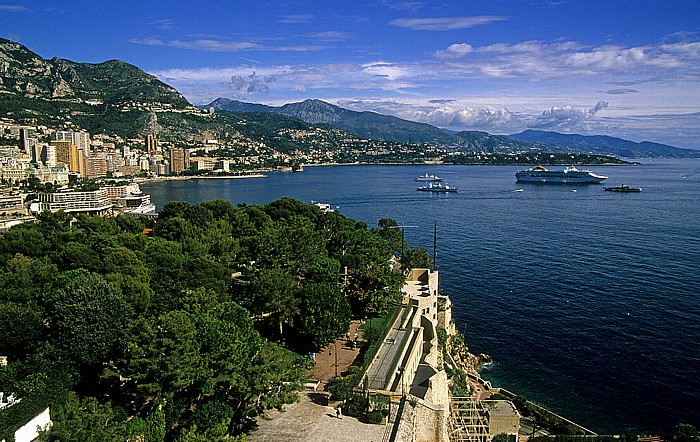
569, 175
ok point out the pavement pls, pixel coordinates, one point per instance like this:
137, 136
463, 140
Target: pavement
311, 420
307, 421
339, 352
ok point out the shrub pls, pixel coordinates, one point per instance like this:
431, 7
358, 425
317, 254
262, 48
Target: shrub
374, 417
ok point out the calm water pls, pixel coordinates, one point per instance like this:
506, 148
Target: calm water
588, 301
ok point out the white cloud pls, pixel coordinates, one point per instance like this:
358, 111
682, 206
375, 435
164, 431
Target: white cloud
538, 61
565, 117
296, 18
444, 23
457, 50
481, 117
206, 45
406, 5
331, 35
622, 91
216, 45
389, 71
164, 24
498, 88
249, 84
12, 8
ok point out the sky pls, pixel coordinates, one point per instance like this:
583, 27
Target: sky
629, 69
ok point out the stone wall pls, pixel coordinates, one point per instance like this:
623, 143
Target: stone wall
423, 422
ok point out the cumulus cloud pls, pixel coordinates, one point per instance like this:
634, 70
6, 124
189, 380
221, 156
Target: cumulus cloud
444, 23
538, 61
443, 113
245, 85
481, 117
567, 116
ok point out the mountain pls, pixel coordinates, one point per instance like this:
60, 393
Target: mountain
112, 96
605, 145
485, 142
363, 124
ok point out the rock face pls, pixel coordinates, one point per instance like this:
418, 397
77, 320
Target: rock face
108, 96
113, 81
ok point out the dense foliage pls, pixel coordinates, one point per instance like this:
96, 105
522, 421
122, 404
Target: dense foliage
187, 331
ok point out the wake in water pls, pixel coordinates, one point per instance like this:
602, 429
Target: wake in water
693, 173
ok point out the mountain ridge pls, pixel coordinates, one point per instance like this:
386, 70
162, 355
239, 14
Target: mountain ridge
605, 144
364, 124
115, 97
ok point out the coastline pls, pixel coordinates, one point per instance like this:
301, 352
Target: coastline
141, 180
261, 172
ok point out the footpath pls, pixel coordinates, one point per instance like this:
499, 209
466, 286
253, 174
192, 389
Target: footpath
310, 420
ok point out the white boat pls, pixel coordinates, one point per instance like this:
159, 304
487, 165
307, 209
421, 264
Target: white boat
437, 188
427, 177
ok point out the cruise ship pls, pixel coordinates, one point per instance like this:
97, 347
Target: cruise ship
569, 175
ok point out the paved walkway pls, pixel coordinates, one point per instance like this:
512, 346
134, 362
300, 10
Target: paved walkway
309, 422
339, 352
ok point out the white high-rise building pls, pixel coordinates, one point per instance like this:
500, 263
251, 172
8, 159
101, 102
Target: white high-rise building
48, 156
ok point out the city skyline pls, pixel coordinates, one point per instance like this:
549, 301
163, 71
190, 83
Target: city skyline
625, 69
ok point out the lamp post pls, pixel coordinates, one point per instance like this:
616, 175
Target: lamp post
335, 345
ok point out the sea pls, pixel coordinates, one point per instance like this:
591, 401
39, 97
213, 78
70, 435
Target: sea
588, 301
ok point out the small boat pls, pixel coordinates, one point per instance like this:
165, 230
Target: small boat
519, 190
437, 188
427, 177
622, 188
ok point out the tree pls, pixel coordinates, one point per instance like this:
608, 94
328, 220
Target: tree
173, 209
520, 403
391, 232
273, 292
86, 420
686, 433
75, 255
415, 258
21, 325
130, 224
325, 313
211, 414
88, 318
218, 433
163, 355
98, 224
26, 239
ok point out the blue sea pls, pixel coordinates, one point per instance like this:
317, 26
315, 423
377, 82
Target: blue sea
588, 301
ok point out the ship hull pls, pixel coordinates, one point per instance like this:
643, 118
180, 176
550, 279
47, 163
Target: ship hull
567, 176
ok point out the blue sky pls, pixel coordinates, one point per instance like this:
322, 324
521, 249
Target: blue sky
622, 68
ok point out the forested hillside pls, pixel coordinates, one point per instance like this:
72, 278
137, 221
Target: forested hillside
184, 332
